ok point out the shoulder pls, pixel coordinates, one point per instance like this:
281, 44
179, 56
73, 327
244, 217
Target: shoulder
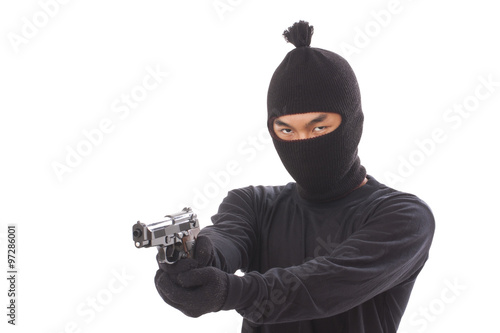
394, 206
256, 200
249, 203
379, 194
261, 193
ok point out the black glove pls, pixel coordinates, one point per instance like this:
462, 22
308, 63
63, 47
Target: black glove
195, 291
203, 254
189, 285
204, 251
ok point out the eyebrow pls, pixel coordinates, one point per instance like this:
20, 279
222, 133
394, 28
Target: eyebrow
316, 120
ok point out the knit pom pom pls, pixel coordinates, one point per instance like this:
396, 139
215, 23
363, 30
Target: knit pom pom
299, 34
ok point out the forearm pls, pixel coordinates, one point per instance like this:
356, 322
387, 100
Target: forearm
233, 233
303, 292
228, 255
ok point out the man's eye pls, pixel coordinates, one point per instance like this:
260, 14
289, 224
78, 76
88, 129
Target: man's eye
286, 131
319, 128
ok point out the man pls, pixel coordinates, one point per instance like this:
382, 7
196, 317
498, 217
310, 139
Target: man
336, 251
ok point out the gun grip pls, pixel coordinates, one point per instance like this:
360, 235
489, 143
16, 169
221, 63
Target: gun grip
189, 240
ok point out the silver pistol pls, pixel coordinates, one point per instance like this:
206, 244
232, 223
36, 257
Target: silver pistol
174, 237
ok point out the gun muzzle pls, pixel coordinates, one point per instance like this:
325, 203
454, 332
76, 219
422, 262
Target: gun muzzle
141, 235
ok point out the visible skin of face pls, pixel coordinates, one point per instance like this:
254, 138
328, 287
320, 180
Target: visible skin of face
306, 125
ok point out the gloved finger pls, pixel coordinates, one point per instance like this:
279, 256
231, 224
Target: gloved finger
170, 292
180, 266
160, 285
197, 277
177, 297
207, 295
203, 251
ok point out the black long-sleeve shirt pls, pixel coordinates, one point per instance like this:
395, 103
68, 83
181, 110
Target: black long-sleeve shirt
347, 266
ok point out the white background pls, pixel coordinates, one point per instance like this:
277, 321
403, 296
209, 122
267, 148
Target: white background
67, 73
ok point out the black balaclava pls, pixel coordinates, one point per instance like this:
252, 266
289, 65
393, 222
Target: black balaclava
326, 167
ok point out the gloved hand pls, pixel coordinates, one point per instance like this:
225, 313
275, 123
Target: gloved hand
195, 291
203, 254
192, 285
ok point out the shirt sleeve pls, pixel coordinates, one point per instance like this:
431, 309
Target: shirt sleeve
233, 233
391, 247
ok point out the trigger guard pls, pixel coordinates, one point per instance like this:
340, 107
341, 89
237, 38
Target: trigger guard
167, 258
